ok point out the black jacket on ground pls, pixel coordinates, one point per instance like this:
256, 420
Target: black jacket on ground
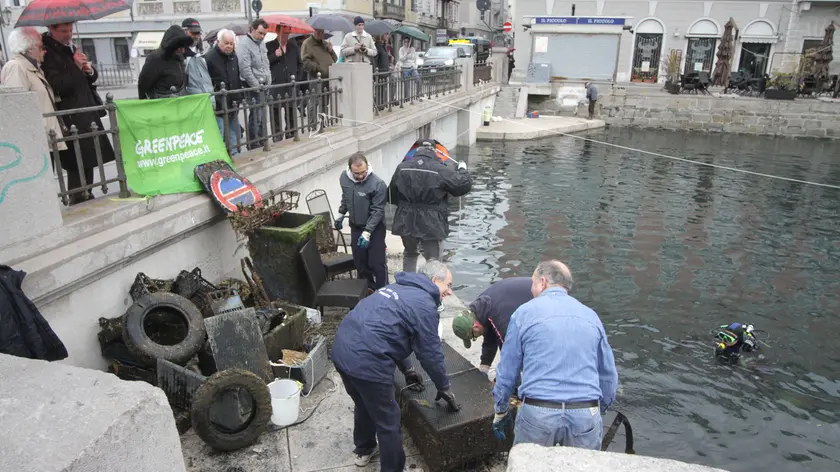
164, 68
420, 188
493, 309
224, 69
23, 330
74, 89
285, 66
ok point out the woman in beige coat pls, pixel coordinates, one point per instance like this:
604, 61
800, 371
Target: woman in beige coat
24, 70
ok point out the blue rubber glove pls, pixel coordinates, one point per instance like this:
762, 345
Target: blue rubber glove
501, 425
339, 222
364, 240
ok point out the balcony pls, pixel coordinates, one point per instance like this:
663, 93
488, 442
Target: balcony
391, 11
447, 24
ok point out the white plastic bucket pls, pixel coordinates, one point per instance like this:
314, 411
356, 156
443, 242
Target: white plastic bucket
285, 401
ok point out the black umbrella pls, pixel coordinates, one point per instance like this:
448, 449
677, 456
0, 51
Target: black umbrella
379, 27
239, 30
330, 23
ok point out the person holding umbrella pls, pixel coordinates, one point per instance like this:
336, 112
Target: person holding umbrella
285, 62
72, 78
317, 55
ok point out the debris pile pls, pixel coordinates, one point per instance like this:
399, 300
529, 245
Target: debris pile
212, 348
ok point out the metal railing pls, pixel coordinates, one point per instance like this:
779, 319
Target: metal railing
399, 87
114, 75
482, 71
276, 112
75, 140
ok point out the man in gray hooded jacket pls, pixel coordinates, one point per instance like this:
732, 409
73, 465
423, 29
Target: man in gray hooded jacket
364, 194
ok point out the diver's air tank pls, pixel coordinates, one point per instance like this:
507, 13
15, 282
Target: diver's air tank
487, 116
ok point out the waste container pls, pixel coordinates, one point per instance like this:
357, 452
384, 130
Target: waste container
274, 249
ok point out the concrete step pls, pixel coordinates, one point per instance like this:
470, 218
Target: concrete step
506, 102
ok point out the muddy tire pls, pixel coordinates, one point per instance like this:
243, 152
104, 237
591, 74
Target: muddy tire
150, 308
206, 395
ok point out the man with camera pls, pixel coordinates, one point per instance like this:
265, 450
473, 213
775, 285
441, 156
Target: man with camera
358, 44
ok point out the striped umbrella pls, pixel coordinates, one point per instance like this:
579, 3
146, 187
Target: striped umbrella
54, 12
290, 23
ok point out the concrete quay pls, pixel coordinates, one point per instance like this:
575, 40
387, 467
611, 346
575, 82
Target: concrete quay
521, 129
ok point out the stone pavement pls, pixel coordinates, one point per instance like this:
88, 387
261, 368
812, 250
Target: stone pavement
532, 128
325, 441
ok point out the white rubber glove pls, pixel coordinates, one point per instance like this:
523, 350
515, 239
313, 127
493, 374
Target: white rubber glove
485, 369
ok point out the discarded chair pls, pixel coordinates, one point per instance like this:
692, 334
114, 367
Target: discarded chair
341, 293
335, 262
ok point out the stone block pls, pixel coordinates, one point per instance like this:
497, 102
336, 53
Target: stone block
355, 102
702, 117
534, 458
61, 418
820, 133
813, 124
725, 119
28, 203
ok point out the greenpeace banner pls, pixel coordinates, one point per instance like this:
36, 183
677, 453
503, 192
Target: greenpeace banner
163, 140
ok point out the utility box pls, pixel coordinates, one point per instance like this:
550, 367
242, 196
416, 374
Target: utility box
538, 73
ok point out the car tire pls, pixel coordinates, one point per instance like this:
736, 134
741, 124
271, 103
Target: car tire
147, 350
206, 396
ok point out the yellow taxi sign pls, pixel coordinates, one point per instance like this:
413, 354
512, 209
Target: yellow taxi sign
459, 41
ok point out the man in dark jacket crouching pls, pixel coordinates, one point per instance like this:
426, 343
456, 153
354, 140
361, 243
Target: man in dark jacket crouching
378, 336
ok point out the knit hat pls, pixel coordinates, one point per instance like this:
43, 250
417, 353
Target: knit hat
462, 326
358, 20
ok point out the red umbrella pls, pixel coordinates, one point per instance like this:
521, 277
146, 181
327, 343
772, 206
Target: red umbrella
292, 24
53, 12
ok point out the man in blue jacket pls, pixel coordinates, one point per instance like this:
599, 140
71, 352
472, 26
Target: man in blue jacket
364, 194
570, 370
490, 314
378, 336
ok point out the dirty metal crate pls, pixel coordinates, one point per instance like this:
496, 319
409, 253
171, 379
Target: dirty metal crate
312, 370
192, 286
288, 335
178, 383
449, 439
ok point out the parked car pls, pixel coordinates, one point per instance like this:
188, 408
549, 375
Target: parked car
442, 56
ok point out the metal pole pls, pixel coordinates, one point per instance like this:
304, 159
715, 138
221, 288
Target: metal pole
3, 36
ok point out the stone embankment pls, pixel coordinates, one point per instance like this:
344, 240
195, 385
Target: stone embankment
801, 118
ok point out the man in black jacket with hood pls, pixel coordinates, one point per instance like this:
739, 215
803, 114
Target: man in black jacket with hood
284, 60
420, 188
164, 68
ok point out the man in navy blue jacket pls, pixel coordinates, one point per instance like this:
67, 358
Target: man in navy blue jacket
490, 314
379, 335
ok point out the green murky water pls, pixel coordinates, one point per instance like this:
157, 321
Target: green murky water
665, 251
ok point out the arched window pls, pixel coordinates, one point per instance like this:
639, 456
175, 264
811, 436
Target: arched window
700, 51
648, 47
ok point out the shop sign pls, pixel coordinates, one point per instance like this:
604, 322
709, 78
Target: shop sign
579, 20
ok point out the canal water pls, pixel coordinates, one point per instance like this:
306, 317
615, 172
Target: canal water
665, 251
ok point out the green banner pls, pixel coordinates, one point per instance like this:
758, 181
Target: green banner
163, 140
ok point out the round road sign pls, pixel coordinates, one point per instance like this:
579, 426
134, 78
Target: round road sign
508, 26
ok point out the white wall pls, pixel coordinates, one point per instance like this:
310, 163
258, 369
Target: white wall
677, 17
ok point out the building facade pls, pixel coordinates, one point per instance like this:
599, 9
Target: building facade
625, 40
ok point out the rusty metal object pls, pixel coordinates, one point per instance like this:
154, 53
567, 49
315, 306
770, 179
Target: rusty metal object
250, 218
261, 299
628, 432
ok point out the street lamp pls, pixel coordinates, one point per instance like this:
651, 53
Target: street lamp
5, 20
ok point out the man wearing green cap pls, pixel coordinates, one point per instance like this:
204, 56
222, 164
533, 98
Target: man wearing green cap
489, 316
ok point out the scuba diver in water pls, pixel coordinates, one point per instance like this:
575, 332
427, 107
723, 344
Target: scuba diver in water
733, 340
